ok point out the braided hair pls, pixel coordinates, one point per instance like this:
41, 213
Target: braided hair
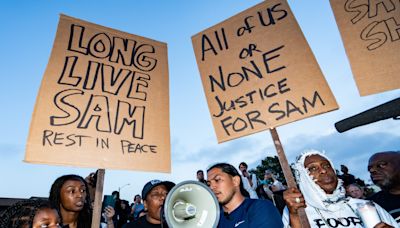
232, 171
85, 215
22, 213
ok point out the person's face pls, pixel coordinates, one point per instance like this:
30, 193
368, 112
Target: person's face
73, 195
154, 201
138, 199
355, 192
343, 169
223, 185
384, 170
321, 171
242, 168
200, 176
267, 176
46, 218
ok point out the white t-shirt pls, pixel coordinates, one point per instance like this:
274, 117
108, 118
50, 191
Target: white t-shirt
250, 189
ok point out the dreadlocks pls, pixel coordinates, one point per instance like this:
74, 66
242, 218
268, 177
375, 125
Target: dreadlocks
22, 213
85, 216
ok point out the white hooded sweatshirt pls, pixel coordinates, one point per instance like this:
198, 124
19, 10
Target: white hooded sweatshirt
329, 210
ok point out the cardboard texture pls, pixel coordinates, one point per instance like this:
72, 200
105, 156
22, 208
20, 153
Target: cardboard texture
103, 101
258, 72
370, 32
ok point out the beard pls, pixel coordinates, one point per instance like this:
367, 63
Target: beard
386, 184
228, 198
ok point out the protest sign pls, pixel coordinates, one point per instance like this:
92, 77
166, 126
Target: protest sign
103, 101
370, 32
258, 72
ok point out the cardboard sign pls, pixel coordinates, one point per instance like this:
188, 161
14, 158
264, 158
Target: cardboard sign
258, 72
103, 101
370, 32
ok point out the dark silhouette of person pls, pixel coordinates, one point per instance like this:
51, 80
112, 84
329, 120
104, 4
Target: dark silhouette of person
384, 168
346, 177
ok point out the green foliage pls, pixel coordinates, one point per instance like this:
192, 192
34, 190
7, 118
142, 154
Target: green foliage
271, 163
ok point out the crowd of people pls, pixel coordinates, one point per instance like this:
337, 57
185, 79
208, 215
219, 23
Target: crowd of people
329, 199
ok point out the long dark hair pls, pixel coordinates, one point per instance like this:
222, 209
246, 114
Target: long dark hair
232, 171
22, 213
85, 216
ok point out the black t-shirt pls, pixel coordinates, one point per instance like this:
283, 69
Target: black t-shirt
389, 202
143, 223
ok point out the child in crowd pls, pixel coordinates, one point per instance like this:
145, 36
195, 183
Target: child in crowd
35, 213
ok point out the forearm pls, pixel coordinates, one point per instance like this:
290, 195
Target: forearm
110, 223
294, 221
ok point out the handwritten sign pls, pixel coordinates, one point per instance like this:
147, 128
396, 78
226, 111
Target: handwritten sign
258, 72
370, 32
103, 101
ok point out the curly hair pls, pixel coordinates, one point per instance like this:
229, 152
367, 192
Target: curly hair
85, 215
22, 213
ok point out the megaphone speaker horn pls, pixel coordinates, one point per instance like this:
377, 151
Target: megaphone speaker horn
182, 211
191, 204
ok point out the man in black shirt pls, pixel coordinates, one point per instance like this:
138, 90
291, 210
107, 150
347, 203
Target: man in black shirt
384, 168
153, 195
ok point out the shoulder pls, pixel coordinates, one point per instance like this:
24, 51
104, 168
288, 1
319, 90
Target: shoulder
136, 223
258, 203
264, 206
257, 209
261, 207
381, 195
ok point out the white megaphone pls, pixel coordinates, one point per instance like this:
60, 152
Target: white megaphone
191, 204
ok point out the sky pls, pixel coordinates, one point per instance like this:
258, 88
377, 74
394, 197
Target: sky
27, 35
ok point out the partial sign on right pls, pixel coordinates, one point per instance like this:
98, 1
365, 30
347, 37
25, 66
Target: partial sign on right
370, 32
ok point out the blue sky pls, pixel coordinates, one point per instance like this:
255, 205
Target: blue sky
27, 36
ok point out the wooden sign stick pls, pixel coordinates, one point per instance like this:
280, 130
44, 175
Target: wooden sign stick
288, 174
97, 199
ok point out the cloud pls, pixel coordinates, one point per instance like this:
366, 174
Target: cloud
247, 149
351, 149
8, 151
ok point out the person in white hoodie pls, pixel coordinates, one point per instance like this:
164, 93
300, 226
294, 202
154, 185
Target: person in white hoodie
323, 196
